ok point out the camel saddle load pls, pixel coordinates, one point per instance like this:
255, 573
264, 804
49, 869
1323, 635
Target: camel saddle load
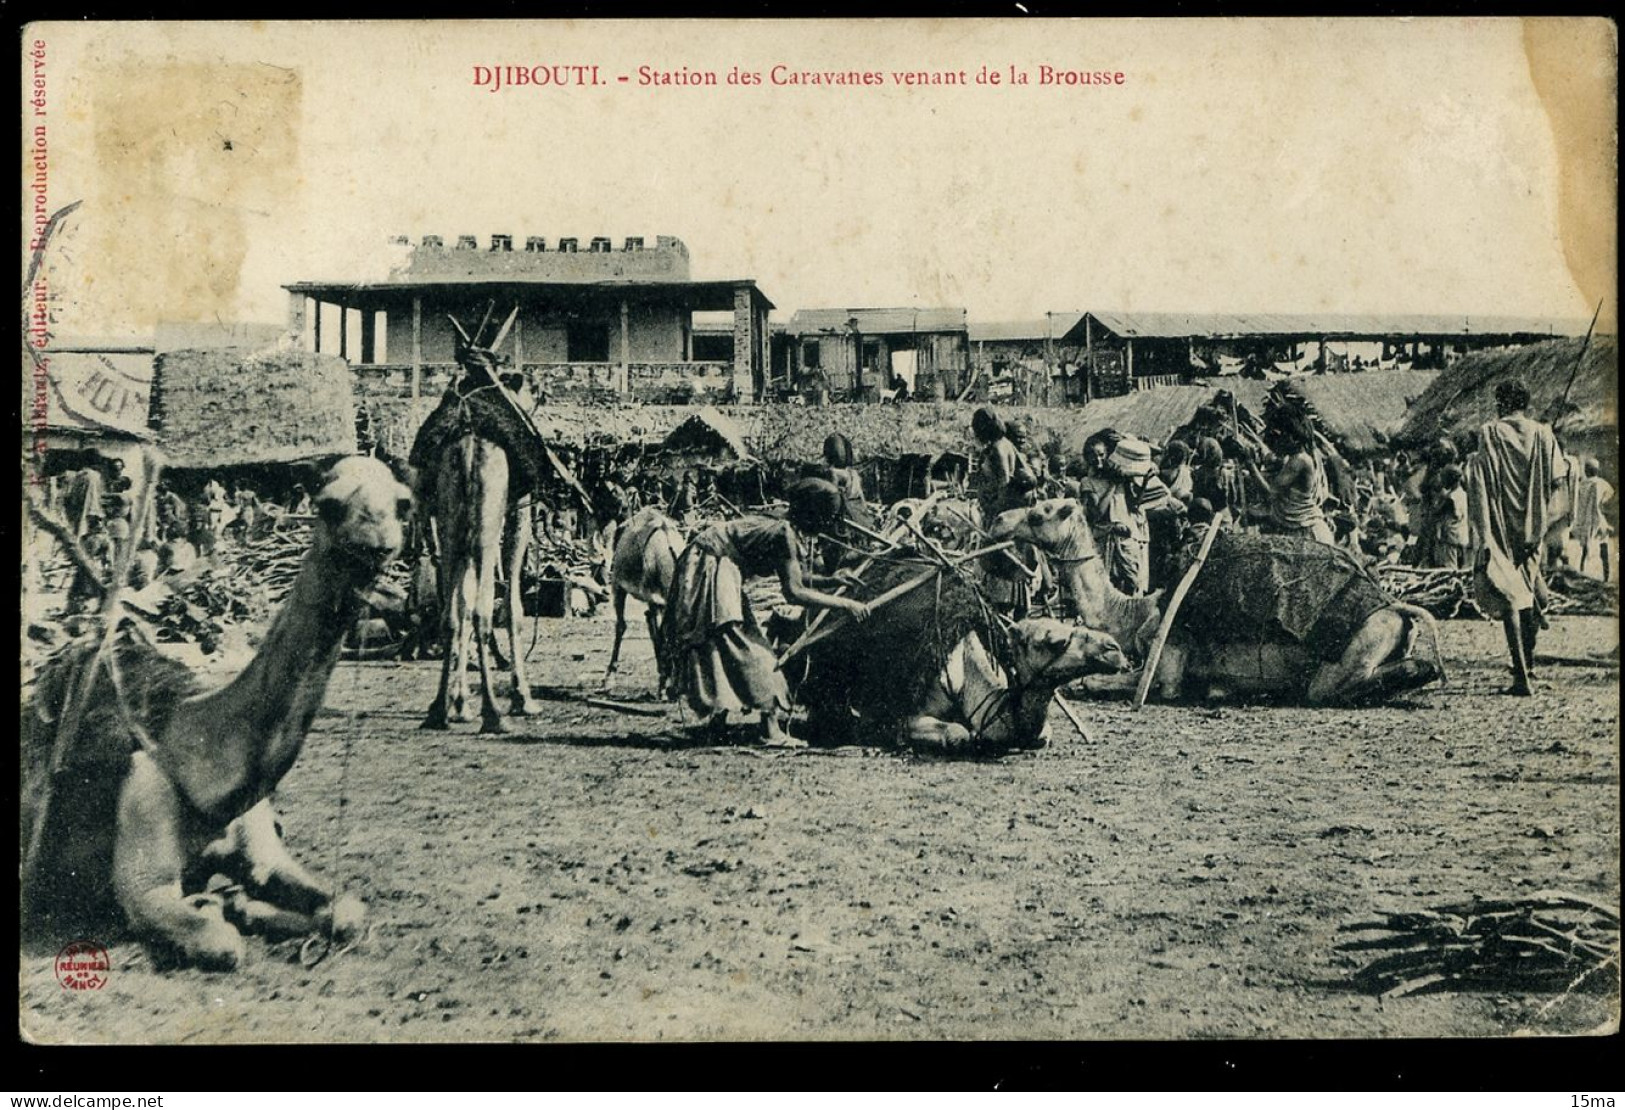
935, 670
1263, 607
479, 401
1280, 589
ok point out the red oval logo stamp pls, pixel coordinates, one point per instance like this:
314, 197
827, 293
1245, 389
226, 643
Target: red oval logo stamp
83, 965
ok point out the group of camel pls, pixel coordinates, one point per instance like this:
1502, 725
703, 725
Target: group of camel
140, 806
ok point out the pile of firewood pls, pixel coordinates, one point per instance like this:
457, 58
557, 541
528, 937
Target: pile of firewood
1578, 594
1551, 941
1447, 594
200, 606
271, 558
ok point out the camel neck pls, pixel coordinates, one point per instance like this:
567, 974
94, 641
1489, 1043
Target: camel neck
1085, 572
230, 748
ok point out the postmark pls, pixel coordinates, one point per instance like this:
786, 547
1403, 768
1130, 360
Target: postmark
83, 965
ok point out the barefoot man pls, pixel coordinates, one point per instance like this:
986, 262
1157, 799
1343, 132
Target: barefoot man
1509, 487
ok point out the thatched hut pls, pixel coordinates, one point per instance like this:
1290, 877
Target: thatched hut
214, 409
709, 433
1587, 421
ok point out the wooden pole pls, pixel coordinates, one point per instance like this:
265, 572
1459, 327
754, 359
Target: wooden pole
884, 599
417, 347
890, 540
1154, 656
1555, 410
1072, 715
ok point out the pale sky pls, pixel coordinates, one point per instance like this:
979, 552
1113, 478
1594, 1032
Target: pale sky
1337, 166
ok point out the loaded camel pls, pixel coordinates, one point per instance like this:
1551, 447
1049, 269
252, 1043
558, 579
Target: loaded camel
977, 706
475, 502
141, 788
643, 565
1371, 658
934, 670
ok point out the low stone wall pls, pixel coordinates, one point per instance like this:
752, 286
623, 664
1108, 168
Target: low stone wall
774, 431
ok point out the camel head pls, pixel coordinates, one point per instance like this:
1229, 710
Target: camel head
1054, 526
360, 513
1053, 654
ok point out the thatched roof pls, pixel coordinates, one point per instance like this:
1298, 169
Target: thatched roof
1463, 398
1360, 411
710, 431
216, 408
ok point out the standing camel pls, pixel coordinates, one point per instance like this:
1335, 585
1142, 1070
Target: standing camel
643, 565
476, 501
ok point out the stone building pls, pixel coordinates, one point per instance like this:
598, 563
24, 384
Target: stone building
595, 321
857, 353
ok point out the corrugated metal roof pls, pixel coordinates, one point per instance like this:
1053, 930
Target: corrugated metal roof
1180, 325
1010, 331
877, 321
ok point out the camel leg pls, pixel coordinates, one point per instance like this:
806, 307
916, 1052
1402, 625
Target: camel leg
519, 526
449, 584
273, 876
618, 598
932, 734
652, 616
1374, 665
464, 622
484, 603
439, 715
149, 857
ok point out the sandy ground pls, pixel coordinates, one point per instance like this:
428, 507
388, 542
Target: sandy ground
1180, 874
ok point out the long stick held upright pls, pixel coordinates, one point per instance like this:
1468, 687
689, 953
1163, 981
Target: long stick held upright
1154, 656
1557, 409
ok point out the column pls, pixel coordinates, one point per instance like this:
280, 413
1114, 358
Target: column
344, 330
764, 358
1049, 358
626, 347
296, 318
317, 302
417, 346
1088, 360
742, 341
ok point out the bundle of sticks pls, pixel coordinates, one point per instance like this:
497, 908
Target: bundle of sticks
1576, 594
198, 607
272, 558
1444, 592
1551, 941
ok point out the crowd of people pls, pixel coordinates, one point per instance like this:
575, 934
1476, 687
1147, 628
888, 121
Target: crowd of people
1501, 504
1505, 504
97, 506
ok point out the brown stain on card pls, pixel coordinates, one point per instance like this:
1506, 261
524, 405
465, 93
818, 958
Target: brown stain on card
189, 157
1574, 64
